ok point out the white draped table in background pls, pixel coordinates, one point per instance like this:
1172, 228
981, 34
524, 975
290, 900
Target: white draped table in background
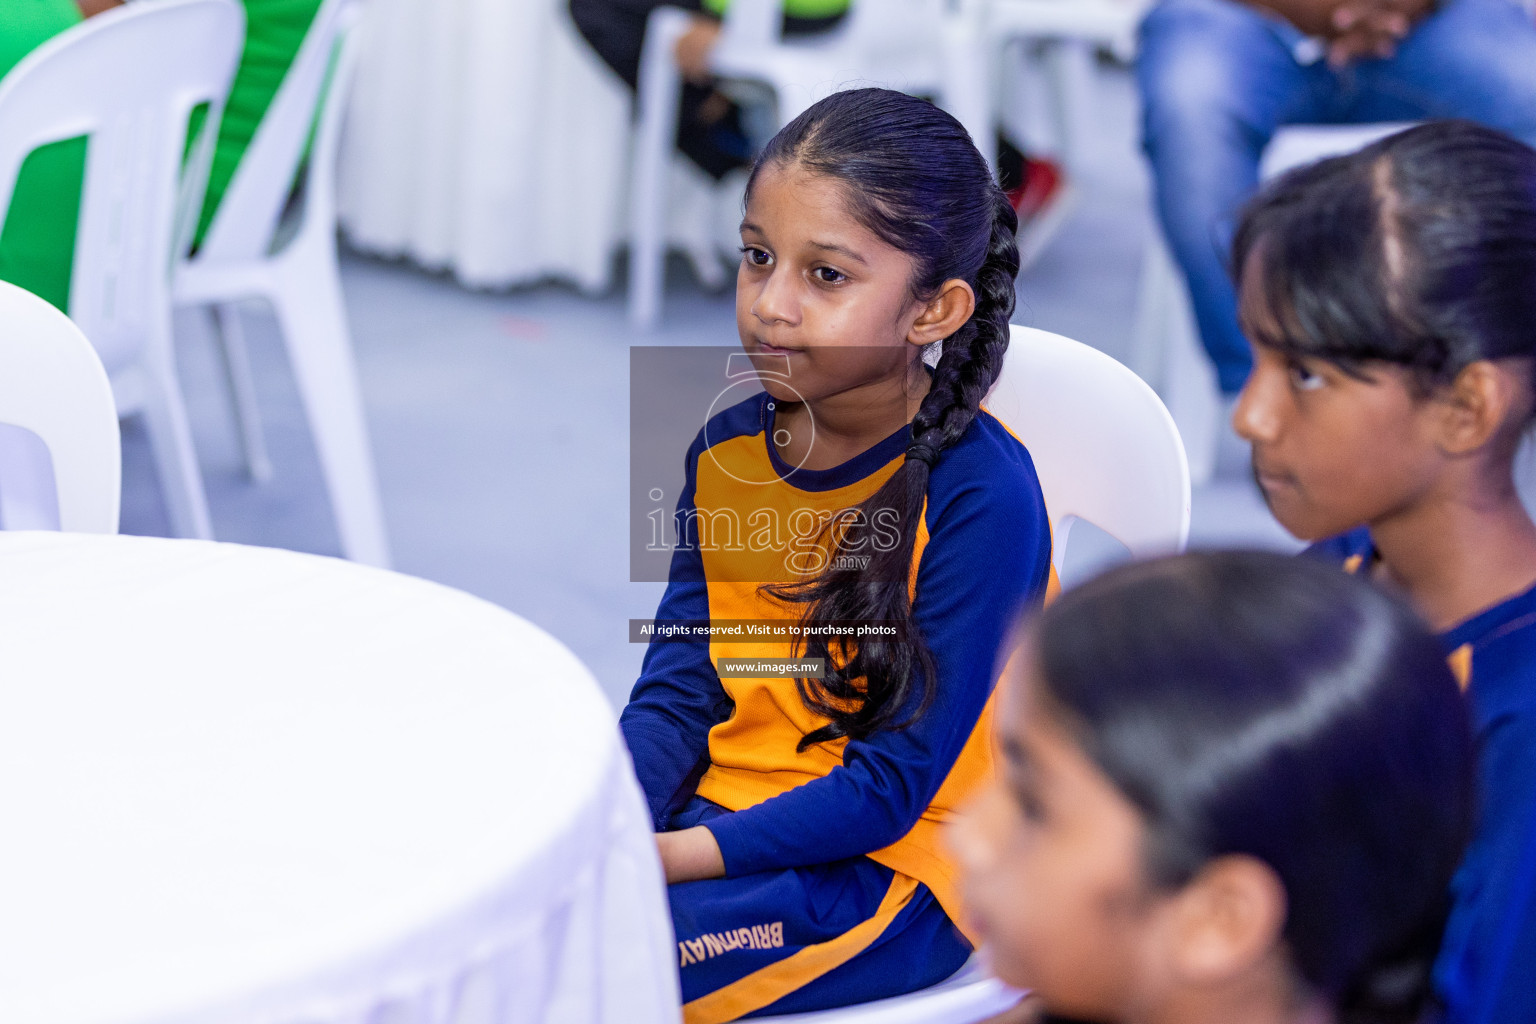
484, 138
247, 786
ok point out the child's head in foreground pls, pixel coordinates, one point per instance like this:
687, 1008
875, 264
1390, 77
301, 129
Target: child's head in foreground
1390, 296
1234, 787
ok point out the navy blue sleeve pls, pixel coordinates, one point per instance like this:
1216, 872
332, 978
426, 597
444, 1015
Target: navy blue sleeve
678, 697
988, 553
1484, 972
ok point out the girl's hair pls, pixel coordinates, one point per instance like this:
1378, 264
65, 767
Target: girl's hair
909, 173
1418, 250
1252, 703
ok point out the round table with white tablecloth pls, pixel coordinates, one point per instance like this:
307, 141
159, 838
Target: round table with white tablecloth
248, 786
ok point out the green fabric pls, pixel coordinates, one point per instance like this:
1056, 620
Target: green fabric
274, 31
793, 8
37, 245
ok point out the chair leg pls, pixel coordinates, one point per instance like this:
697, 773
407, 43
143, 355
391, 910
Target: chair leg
1069, 64
170, 440
1155, 293
242, 389
969, 67
655, 134
313, 320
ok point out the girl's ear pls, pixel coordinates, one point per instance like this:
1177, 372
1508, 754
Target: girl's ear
1478, 404
1227, 921
944, 314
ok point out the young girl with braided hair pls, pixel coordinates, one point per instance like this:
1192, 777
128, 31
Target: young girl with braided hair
799, 818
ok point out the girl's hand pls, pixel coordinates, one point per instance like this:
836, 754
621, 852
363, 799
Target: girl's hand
690, 855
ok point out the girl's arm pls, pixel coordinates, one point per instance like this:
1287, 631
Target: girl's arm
989, 553
678, 697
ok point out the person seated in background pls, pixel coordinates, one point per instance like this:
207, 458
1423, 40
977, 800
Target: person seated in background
1233, 789
37, 244
1390, 295
710, 131
1219, 77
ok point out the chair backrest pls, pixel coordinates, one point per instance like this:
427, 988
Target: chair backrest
1103, 444
129, 79
1298, 144
53, 385
249, 212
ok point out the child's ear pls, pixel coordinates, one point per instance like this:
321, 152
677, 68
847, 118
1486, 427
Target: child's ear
1477, 405
944, 314
1227, 921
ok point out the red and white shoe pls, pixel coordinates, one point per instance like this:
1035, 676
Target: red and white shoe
1044, 199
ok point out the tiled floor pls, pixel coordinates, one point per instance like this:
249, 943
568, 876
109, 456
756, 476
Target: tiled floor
500, 421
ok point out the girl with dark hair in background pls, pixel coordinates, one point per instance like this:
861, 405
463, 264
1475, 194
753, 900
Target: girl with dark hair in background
1390, 297
799, 818
1234, 788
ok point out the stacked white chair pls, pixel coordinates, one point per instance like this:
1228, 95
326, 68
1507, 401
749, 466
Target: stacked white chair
129, 79
1107, 453
1060, 37
1070, 28
53, 387
240, 259
893, 43
1167, 352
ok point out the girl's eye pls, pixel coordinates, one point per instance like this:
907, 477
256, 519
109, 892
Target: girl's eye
1302, 377
826, 275
755, 256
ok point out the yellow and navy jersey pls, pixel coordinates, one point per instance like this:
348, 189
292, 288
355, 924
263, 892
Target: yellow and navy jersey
982, 553
1484, 971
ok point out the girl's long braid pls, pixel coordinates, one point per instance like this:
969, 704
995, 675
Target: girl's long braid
869, 685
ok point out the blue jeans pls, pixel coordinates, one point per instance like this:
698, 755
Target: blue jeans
1217, 78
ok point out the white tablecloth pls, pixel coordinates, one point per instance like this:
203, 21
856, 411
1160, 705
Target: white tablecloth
247, 785
484, 137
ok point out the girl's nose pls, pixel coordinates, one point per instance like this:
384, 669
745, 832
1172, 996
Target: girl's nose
1255, 416
776, 300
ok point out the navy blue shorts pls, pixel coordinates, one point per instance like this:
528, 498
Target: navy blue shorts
805, 938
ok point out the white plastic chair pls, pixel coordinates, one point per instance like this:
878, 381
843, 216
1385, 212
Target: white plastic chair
1105, 448
1072, 28
53, 385
1056, 39
300, 280
129, 80
1166, 349
966, 997
893, 43
1106, 452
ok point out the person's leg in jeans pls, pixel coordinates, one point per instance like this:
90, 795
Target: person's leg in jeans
1216, 79
1472, 59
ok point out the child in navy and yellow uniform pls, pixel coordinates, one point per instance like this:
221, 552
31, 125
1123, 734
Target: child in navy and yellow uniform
798, 820
1390, 296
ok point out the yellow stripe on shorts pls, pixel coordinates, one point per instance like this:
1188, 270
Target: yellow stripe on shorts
797, 970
